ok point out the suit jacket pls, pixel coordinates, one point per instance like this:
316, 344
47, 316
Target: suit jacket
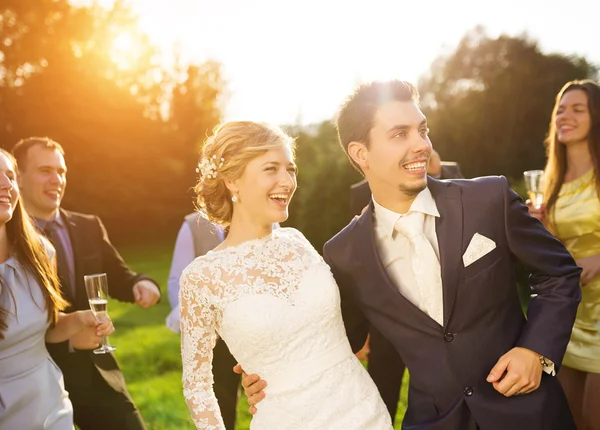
483, 318
84, 372
360, 193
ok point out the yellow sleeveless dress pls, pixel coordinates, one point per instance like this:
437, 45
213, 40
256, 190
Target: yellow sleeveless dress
576, 222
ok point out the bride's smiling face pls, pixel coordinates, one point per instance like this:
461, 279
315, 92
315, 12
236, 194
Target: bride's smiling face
266, 187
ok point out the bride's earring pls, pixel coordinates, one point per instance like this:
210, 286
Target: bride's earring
235, 198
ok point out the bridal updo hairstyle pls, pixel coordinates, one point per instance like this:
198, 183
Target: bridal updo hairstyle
225, 155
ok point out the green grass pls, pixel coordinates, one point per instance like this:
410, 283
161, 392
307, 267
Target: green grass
149, 353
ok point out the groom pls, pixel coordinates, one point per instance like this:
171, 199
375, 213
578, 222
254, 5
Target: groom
430, 264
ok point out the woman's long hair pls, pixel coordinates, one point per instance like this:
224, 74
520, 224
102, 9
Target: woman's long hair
27, 246
556, 166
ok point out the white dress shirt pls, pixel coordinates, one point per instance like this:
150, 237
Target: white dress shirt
183, 255
394, 248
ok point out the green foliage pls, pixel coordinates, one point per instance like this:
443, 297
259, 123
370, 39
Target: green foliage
489, 102
321, 206
59, 77
132, 134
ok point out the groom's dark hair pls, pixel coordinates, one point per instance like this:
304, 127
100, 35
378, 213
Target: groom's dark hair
355, 118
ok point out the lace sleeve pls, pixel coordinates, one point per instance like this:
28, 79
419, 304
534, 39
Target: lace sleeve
198, 338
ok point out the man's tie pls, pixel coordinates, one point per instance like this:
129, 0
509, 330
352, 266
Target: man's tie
425, 264
51, 231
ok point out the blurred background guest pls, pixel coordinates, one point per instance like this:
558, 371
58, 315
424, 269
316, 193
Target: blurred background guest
94, 381
32, 393
571, 210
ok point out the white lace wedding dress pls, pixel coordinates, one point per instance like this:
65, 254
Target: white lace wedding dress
275, 303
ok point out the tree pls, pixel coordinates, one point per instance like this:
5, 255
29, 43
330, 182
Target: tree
489, 102
60, 78
195, 109
321, 206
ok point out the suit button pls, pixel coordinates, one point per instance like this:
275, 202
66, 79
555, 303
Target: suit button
468, 391
448, 337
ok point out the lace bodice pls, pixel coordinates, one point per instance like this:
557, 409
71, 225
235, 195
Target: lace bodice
264, 299
275, 303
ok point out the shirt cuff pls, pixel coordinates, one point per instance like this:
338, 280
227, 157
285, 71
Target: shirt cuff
173, 320
549, 369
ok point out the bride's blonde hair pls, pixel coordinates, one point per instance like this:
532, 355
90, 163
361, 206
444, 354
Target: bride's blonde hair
225, 155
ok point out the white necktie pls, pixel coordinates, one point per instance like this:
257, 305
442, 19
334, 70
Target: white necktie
425, 264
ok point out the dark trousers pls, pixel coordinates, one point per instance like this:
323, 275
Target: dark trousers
116, 411
386, 369
226, 383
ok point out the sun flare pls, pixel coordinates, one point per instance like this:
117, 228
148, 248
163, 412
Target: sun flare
122, 51
286, 61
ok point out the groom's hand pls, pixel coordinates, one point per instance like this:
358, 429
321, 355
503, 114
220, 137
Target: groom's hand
517, 372
253, 387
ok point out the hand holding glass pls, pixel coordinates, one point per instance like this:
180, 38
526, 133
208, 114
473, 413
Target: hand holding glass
96, 287
533, 182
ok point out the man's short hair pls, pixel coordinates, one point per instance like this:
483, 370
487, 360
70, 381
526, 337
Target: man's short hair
22, 147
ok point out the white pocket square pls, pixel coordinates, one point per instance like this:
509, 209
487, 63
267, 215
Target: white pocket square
479, 246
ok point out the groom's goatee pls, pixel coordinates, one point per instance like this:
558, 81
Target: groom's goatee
413, 191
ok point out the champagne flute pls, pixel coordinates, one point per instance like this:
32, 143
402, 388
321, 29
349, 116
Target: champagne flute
96, 287
534, 184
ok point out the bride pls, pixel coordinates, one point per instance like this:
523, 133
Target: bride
269, 295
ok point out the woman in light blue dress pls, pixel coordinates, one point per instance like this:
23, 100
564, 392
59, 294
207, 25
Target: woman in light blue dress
32, 395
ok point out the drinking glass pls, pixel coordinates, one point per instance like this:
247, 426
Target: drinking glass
534, 184
96, 287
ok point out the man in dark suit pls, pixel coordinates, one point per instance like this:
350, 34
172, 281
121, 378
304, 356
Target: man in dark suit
94, 381
430, 265
383, 362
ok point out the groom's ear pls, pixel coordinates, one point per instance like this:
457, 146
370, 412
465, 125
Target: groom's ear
358, 152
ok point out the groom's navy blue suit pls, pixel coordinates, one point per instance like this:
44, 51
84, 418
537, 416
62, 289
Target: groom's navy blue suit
482, 314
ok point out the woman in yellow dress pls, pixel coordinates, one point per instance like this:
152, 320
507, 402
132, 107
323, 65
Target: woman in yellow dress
572, 212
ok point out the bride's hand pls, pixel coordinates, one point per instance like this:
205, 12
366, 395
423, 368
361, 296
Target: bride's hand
253, 387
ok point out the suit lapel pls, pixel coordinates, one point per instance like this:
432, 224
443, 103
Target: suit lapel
449, 231
75, 244
365, 250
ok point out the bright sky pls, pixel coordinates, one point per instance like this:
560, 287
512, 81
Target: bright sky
286, 61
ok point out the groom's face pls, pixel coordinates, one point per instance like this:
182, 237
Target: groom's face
399, 150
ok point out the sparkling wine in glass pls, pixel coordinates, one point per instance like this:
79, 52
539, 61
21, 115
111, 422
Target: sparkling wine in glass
534, 184
536, 197
96, 287
98, 307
